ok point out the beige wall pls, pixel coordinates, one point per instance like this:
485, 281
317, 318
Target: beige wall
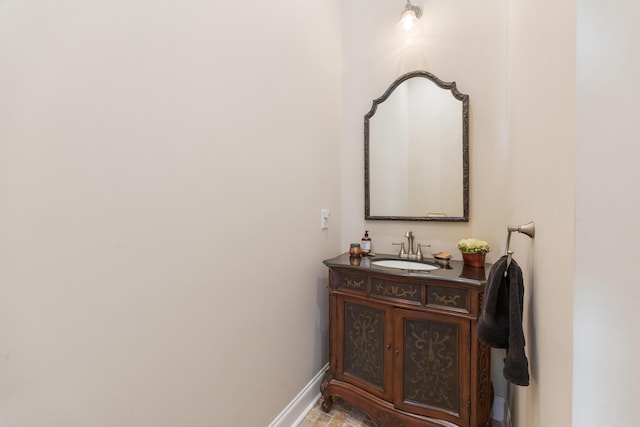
517, 63
162, 170
606, 374
153, 158
458, 37
464, 42
542, 101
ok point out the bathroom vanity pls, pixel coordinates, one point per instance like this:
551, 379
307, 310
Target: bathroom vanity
403, 344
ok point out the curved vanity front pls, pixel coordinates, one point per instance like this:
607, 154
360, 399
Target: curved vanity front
403, 345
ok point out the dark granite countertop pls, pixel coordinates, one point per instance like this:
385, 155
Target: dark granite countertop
456, 271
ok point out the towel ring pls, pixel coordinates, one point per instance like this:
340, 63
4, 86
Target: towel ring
529, 229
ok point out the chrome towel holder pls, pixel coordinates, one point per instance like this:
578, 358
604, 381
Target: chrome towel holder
529, 229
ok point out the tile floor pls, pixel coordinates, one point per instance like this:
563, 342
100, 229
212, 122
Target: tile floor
341, 415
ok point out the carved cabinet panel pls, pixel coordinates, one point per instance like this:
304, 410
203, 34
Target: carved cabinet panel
432, 364
365, 336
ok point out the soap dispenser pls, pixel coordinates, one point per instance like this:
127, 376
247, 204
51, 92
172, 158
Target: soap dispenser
365, 246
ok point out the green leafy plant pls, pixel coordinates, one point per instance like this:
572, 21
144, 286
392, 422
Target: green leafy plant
473, 246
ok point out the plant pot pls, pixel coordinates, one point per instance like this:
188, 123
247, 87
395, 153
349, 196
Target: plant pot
474, 260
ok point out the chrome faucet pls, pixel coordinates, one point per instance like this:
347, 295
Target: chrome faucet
411, 252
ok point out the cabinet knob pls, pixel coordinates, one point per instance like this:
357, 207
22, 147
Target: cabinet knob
388, 347
397, 352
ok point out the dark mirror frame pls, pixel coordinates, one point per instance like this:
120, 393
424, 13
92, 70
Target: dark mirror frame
465, 147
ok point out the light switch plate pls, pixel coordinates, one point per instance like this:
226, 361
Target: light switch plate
324, 218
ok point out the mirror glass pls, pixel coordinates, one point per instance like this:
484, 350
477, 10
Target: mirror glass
417, 151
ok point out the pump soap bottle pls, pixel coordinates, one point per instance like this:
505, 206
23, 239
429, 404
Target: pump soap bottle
365, 246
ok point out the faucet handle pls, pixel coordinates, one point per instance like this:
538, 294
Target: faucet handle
403, 252
419, 253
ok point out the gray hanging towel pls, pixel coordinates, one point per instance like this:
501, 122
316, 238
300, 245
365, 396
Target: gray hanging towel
500, 324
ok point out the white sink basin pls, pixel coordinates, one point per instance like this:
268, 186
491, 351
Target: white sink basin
404, 265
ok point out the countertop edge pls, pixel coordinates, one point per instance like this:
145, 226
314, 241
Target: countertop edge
458, 272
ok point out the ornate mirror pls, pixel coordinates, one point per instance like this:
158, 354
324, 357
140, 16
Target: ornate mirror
416, 151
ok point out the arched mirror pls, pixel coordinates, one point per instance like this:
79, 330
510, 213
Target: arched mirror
416, 150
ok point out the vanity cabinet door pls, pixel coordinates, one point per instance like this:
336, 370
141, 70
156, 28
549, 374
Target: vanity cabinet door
364, 345
432, 355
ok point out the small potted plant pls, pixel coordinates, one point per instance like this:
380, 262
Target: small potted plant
473, 251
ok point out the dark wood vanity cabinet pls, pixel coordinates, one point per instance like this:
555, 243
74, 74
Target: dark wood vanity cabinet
403, 347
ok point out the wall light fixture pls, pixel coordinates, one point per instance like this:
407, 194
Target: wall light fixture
409, 27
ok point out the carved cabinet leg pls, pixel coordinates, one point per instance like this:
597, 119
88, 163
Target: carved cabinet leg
327, 400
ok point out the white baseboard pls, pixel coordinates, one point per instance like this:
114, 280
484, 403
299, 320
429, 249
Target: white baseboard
300, 406
500, 412
497, 411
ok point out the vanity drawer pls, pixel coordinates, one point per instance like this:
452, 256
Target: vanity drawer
353, 282
410, 292
450, 297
